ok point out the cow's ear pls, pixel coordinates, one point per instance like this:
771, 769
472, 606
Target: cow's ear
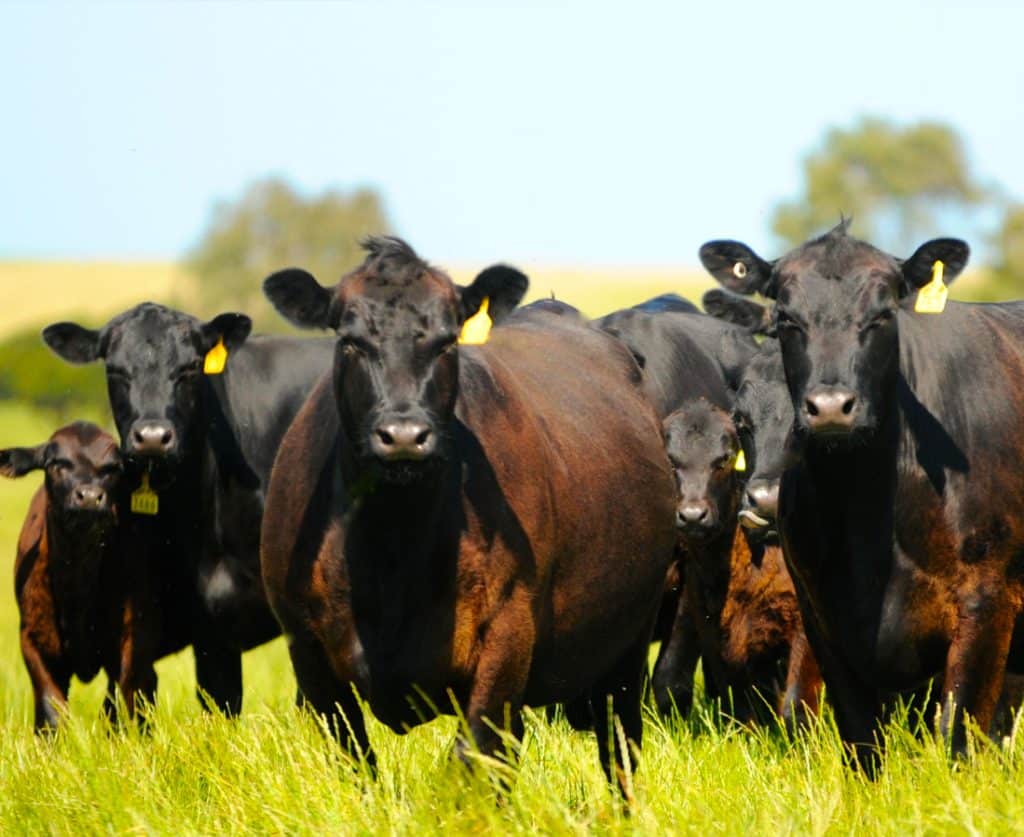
233, 329
300, 299
952, 252
738, 268
16, 462
502, 285
739, 310
73, 342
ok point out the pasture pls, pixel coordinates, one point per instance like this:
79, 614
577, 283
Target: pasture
271, 770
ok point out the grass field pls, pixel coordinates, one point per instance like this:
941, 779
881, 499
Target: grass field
271, 770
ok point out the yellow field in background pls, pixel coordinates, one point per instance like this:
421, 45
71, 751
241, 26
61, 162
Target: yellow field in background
35, 293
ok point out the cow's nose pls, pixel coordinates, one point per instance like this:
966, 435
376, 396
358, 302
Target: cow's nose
152, 438
693, 514
407, 439
830, 409
90, 497
762, 498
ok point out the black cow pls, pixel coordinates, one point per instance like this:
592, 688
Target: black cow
685, 355
902, 522
204, 444
763, 416
465, 528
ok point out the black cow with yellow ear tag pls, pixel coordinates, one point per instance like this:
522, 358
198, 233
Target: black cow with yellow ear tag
200, 408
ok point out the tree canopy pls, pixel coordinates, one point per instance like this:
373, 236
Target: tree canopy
892, 180
272, 226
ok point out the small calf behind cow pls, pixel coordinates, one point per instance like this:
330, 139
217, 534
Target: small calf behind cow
68, 578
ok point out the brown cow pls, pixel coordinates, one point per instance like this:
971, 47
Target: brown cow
68, 578
470, 528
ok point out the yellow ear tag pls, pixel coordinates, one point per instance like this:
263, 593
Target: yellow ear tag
741, 462
478, 327
144, 499
931, 299
216, 358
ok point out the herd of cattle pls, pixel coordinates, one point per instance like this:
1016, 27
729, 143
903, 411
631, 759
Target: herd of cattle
823, 490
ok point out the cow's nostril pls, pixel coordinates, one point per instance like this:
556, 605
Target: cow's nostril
165, 439
848, 406
137, 436
422, 436
386, 437
811, 407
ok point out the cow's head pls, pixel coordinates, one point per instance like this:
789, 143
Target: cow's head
82, 466
154, 362
396, 367
702, 446
762, 414
836, 300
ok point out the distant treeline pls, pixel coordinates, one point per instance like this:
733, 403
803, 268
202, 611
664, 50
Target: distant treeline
32, 374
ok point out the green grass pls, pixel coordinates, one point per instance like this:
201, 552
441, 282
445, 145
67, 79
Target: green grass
272, 770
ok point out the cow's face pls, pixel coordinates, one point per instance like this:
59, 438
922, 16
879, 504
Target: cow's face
835, 314
154, 363
82, 466
702, 446
763, 415
396, 366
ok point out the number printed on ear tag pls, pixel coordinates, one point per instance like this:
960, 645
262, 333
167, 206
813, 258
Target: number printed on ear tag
741, 462
931, 299
477, 328
144, 499
216, 358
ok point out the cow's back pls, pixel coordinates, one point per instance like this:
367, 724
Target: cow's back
684, 355
576, 453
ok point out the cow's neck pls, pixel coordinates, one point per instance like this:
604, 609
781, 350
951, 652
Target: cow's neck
854, 490
400, 550
78, 550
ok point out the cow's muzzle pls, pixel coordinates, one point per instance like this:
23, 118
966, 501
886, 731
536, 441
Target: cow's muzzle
401, 440
830, 410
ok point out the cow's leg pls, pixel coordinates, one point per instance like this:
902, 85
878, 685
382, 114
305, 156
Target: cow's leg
499, 681
803, 683
136, 682
616, 700
332, 698
50, 683
676, 665
976, 663
857, 706
218, 673
579, 715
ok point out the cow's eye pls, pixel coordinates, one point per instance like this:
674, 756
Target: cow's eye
440, 345
189, 370
356, 346
115, 374
61, 464
723, 462
880, 319
785, 323
111, 470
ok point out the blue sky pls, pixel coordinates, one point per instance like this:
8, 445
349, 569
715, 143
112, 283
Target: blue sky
581, 133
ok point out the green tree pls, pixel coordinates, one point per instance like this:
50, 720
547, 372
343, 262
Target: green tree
892, 180
31, 373
1004, 278
272, 226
